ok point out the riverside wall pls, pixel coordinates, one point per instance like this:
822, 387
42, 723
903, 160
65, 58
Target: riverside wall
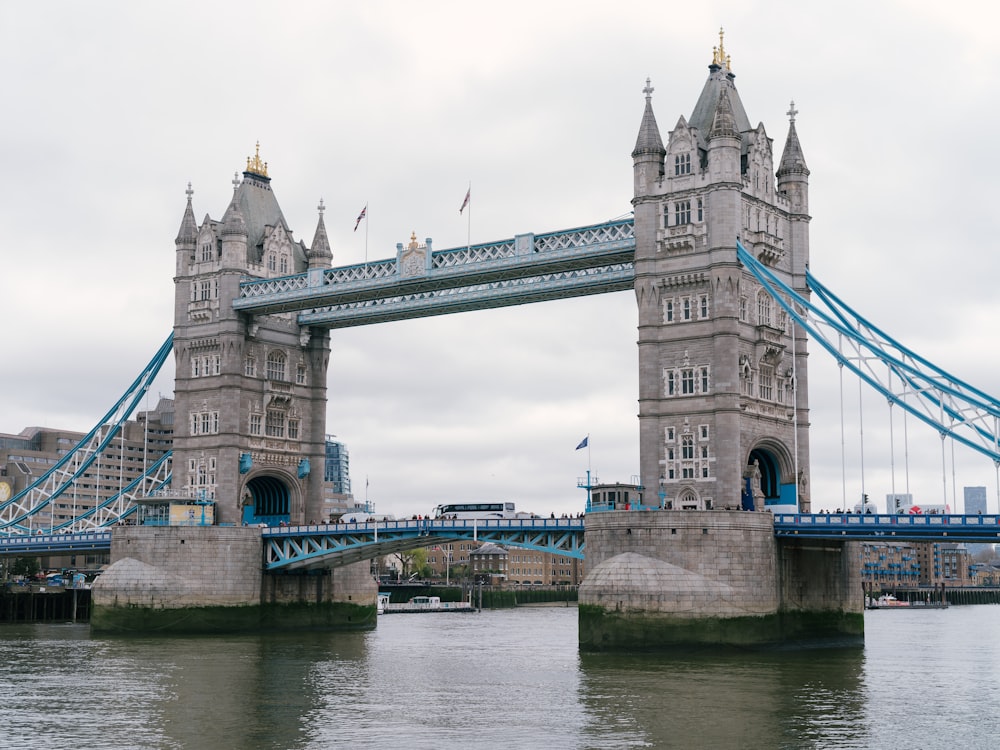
205, 579
680, 579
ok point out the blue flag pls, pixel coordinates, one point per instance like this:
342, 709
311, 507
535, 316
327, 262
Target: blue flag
583, 443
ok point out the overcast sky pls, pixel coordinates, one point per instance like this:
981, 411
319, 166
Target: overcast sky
110, 109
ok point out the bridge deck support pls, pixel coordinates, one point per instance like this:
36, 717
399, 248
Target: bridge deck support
209, 579
662, 580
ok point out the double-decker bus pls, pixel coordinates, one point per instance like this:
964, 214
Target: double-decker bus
475, 510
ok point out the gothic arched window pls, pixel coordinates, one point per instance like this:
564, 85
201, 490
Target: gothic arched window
276, 365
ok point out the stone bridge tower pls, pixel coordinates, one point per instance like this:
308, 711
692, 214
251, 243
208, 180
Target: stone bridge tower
723, 396
250, 390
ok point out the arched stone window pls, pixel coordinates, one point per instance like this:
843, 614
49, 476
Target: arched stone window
276, 365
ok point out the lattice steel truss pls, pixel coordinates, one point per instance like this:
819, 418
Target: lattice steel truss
952, 407
527, 268
303, 547
31, 510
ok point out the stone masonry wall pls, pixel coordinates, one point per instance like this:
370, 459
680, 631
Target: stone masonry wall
688, 564
182, 566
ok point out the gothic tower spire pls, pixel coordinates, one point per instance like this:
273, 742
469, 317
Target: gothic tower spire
320, 255
647, 156
793, 174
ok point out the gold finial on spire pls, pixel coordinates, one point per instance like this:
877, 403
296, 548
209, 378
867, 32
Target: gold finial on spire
413, 242
719, 56
255, 165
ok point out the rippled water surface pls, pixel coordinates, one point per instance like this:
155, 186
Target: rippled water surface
507, 678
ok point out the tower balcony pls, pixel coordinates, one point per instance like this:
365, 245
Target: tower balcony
202, 310
768, 248
682, 238
277, 393
769, 344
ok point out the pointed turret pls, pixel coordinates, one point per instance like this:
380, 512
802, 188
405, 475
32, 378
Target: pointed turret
232, 220
234, 232
793, 174
648, 154
187, 235
725, 145
648, 141
320, 255
186, 242
723, 121
792, 160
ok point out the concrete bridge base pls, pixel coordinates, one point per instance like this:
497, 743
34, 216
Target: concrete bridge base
209, 579
663, 580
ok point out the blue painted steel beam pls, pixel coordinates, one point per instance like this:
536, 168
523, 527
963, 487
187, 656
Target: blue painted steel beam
43, 544
940, 400
322, 546
889, 528
318, 546
595, 259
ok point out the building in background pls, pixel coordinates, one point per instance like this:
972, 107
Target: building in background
975, 500
27, 456
503, 565
889, 565
337, 496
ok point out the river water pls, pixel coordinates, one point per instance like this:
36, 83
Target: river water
507, 678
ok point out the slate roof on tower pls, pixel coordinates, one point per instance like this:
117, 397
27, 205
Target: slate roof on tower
720, 77
258, 205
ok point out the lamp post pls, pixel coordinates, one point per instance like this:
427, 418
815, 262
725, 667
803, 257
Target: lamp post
447, 568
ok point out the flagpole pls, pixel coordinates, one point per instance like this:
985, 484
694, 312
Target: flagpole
366, 237
468, 236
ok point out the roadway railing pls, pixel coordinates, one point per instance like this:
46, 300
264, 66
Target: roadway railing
887, 527
40, 544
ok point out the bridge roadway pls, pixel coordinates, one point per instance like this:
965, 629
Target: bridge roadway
332, 545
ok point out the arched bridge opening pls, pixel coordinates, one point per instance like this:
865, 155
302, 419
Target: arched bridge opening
266, 501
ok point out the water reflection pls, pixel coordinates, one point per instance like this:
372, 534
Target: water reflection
747, 700
515, 678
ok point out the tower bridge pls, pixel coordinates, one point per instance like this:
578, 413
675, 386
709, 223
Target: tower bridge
717, 253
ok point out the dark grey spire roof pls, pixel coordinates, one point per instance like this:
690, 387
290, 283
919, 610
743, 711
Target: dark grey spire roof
724, 122
648, 140
321, 243
188, 233
703, 117
259, 208
792, 160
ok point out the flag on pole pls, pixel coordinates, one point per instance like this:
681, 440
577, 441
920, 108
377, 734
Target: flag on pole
468, 194
364, 212
583, 443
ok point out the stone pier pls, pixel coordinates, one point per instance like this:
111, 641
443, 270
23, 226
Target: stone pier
681, 579
210, 579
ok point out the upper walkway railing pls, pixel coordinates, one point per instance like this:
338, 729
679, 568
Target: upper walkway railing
420, 282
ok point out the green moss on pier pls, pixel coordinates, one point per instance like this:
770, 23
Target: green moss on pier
612, 630
230, 620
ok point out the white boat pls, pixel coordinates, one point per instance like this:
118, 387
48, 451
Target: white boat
888, 601
428, 604
383, 602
